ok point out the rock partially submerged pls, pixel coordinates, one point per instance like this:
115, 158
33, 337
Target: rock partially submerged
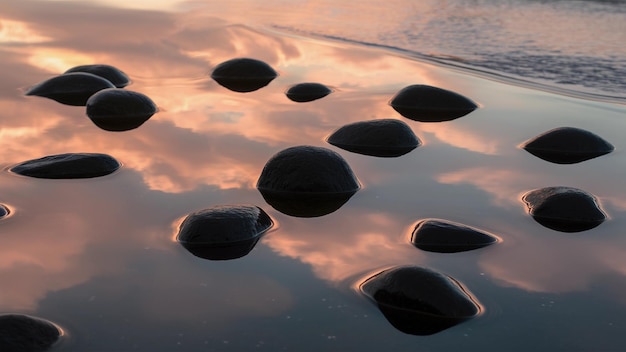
444, 236
243, 74
108, 72
4, 211
305, 92
382, 138
567, 145
23, 333
431, 104
420, 301
564, 209
68, 166
71, 88
307, 181
223, 232
117, 109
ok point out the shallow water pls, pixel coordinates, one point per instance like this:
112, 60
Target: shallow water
98, 256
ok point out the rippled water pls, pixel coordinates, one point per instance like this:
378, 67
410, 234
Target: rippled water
98, 256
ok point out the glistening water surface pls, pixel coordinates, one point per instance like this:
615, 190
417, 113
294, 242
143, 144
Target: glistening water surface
98, 256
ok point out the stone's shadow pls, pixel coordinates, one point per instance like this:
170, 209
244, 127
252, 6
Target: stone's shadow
420, 301
73, 88
567, 145
431, 104
118, 110
564, 209
223, 232
386, 138
444, 236
243, 75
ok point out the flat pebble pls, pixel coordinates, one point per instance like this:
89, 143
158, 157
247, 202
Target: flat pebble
108, 72
567, 145
444, 236
420, 301
564, 209
306, 92
117, 109
68, 166
24, 333
243, 74
223, 232
431, 104
382, 138
70, 88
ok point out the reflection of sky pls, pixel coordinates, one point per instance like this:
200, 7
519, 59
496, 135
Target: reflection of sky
91, 244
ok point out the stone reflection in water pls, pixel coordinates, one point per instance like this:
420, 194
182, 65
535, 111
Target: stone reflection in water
382, 138
117, 109
23, 333
108, 72
68, 166
243, 74
567, 145
564, 209
431, 104
305, 92
420, 301
307, 181
444, 236
223, 232
70, 88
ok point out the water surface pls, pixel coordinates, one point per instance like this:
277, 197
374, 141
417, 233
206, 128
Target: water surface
98, 256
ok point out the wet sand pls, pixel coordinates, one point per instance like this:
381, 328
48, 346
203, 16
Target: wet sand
99, 258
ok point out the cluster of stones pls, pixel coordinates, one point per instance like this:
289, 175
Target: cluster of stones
310, 181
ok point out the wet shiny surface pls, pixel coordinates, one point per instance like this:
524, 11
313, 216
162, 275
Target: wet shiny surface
99, 258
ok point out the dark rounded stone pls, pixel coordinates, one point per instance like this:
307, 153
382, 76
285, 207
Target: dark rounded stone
108, 72
383, 138
4, 211
68, 166
70, 88
443, 236
567, 145
564, 209
305, 92
307, 181
243, 74
223, 232
117, 109
23, 333
431, 104
420, 301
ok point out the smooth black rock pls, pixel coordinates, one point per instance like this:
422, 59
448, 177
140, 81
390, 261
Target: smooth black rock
70, 88
307, 181
431, 104
564, 209
223, 232
382, 138
305, 92
567, 145
443, 236
420, 301
23, 333
108, 72
117, 109
243, 74
4, 211
68, 166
